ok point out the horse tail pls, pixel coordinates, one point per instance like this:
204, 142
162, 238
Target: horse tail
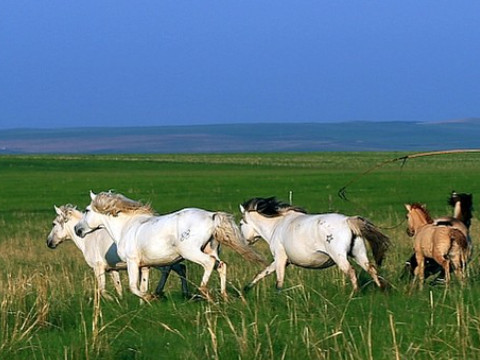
461, 240
378, 241
227, 232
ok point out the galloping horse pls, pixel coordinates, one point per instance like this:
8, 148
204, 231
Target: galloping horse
442, 243
462, 206
100, 252
311, 241
146, 239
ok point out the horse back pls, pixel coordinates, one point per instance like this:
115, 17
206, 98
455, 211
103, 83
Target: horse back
178, 229
433, 239
453, 223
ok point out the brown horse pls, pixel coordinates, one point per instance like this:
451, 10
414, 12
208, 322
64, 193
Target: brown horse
441, 242
462, 204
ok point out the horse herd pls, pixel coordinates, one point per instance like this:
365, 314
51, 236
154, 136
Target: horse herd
117, 233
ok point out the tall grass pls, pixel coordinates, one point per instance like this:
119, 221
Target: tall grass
50, 308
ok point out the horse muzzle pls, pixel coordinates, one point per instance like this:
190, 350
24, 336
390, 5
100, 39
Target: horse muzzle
82, 232
253, 240
51, 243
79, 231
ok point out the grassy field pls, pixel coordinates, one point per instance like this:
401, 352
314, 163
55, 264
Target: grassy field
49, 308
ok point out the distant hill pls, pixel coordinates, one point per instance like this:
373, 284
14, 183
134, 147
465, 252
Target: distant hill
237, 138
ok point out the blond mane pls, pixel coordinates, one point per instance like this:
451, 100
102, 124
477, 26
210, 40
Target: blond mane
110, 203
66, 213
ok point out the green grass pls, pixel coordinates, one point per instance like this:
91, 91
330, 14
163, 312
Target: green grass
49, 309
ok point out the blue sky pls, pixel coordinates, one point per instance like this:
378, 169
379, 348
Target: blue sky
142, 63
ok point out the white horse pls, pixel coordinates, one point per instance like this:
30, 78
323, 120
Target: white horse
310, 241
145, 239
100, 252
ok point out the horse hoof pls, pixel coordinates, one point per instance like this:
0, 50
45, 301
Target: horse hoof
248, 287
160, 295
196, 297
106, 296
148, 298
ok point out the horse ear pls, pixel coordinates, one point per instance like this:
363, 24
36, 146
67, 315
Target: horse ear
57, 210
242, 209
408, 207
92, 195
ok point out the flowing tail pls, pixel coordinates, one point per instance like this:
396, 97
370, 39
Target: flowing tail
379, 242
460, 244
227, 232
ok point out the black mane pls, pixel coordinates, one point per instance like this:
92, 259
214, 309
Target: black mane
466, 205
270, 206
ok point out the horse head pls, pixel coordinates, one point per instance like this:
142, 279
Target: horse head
90, 221
417, 216
60, 230
463, 206
247, 229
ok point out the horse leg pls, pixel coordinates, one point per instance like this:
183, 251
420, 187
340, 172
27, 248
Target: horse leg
212, 249
270, 269
133, 278
447, 271
348, 269
458, 261
208, 263
181, 270
115, 275
445, 263
99, 271
208, 266
165, 270
145, 272
359, 253
280, 265
459, 270
222, 273
420, 269
342, 262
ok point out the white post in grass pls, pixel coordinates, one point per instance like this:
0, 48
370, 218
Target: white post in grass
290, 195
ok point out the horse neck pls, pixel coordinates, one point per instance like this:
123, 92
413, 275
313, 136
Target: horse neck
117, 225
70, 227
464, 215
457, 211
419, 219
265, 226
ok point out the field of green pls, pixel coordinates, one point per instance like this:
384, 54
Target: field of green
49, 307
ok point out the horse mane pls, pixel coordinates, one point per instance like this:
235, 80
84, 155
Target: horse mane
66, 212
423, 210
270, 207
110, 203
466, 205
